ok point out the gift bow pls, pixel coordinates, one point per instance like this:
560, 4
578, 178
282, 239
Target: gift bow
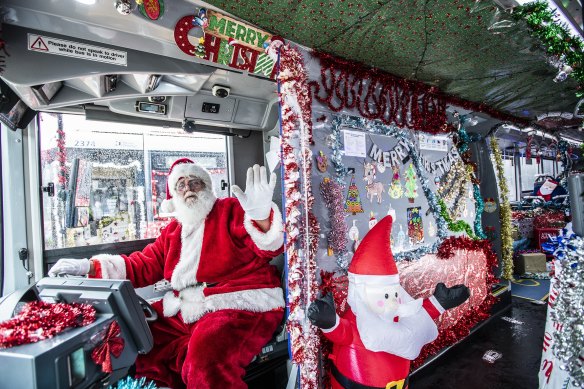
112, 344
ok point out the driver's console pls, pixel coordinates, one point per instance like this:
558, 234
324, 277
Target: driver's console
64, 361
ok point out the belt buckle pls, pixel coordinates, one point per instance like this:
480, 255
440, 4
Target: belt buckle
395, 384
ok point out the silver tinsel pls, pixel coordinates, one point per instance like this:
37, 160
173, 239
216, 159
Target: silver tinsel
569, 308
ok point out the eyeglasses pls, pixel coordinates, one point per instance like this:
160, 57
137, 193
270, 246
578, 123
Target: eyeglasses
192, 184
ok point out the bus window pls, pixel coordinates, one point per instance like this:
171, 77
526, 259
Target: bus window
110, 178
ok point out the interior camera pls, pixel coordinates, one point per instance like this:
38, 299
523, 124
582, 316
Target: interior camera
188, 126
220, 91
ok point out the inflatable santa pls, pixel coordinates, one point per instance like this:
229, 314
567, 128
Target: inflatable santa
383, 328
226, 300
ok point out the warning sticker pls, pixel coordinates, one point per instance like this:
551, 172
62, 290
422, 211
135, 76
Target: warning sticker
45, 44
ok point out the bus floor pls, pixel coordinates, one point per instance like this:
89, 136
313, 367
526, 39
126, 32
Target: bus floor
519, 342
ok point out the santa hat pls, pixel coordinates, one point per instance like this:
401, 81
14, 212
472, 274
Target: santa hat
183, 167
373, 261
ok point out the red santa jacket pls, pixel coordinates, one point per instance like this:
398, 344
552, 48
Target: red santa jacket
355, 362
228, 252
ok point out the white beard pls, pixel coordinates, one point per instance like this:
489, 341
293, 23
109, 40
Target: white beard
194, 211
403, 338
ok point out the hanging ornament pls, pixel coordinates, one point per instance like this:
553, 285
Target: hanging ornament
431, 229
464, 210
373, 188
353, 201
401, 239
124, 6
151, 9
391, 212
381, 165
321, 162
354, 235
490, 205
395, 189
329, 251
415, 226
372, 220
201, 20
411, 191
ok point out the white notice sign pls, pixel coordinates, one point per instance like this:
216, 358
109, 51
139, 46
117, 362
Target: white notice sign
45, 44
433, 142
355, 144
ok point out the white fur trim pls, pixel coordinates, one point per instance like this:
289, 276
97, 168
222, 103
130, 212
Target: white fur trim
270, 240
436, 304
188, 170
185, 272
167, 206
337, 322
359, 279
113, 267
193, 304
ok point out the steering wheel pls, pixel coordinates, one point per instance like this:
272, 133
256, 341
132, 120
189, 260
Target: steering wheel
149, 311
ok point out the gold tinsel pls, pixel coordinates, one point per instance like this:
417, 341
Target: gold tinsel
504, 213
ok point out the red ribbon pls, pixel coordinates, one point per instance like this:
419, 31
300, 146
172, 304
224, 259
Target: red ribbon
112, 344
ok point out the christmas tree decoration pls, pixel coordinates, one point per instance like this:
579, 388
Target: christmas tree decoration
411, 191
151, 9
321, 162
372, 220
353, 202
415, 226
200, 49
395, 189
372, 188
504, 213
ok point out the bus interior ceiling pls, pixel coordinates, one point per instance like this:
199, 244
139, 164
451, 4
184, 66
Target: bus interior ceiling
120, 69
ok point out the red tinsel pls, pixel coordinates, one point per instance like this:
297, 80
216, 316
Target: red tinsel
112, 344
463, 326
391, 99
40, 320
61, 152
337, 286
551, 219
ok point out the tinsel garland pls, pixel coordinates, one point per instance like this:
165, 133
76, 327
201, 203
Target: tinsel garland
474, 316
392, 100
133, 383
455, 226
39, 320
332, 194
555, 37
462, 141
454, 186
61, 153
302, 230
340, 121
569, 306
504, 213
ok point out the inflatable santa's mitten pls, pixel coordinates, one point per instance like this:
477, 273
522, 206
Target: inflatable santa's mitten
384, 327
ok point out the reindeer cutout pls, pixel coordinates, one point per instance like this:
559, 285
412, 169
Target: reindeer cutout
373, 188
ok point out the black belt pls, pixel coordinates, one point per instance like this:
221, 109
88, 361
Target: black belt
350, 384
206, 284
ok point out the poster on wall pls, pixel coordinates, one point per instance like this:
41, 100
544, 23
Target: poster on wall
370, 190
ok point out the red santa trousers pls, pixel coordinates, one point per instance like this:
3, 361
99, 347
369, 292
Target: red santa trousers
210, 353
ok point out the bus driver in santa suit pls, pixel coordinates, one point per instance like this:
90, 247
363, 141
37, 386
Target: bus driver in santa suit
226, 300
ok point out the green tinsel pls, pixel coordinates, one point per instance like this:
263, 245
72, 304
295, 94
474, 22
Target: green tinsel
455, 226
555, 36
